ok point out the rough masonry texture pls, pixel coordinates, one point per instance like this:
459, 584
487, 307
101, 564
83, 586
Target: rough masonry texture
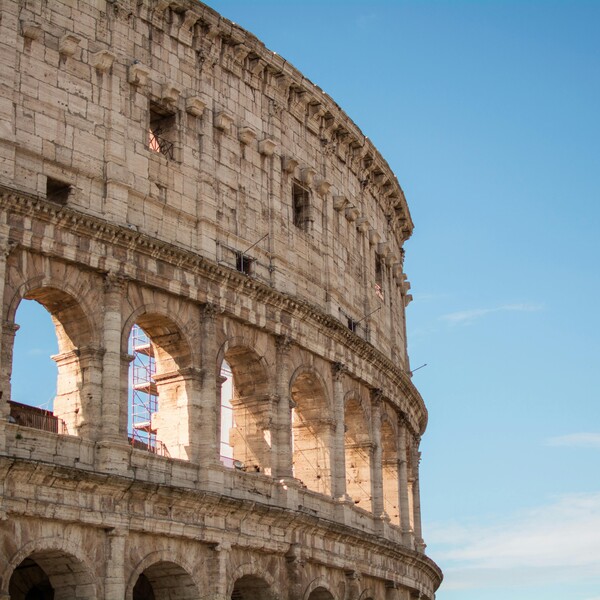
160, 167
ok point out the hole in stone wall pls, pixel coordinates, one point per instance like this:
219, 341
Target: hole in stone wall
244, 264
379, 277
301, 206
57, 191
162, 134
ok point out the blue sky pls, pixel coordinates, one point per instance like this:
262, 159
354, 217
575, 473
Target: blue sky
489, 114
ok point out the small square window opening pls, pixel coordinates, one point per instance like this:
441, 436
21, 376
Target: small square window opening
301, 206
379, 277
244, 264
57, 191
162, 133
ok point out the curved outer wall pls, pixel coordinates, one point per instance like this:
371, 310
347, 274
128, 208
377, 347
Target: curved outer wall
161, 167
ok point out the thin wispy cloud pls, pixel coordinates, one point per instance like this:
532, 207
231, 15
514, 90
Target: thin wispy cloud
576, 440
467, 316
554, 543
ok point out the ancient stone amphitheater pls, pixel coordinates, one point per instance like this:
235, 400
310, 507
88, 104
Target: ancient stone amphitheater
163, 173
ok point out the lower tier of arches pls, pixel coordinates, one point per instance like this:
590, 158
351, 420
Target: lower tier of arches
76, 535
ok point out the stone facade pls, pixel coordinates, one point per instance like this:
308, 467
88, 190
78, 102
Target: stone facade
160, 167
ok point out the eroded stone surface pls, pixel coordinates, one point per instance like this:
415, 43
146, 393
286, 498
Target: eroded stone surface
160, 167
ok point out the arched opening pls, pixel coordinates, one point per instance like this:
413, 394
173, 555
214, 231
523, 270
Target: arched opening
60, 398
358, 449
245, 412
321, 593
165, 581
312, 428
161, 385
251, 587
34, 346
389, 459
51, 575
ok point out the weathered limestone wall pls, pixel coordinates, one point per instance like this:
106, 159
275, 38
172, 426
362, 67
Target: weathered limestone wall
246, 125
160, 167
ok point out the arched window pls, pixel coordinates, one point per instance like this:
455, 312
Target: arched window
160, 387
245, 412
358, 447
51, 575
321, 593
35, 344
251, 587
312, 429
64, 398
164, 581
389, 459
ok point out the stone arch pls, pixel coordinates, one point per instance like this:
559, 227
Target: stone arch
247, 414
312, 429
358, 450
389, 460
367, 594
249, 582
174, 380
162, 323
161, 576
77, 403
50, 562
318, 589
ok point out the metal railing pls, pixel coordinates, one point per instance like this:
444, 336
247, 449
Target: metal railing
36, 418
161, 145
157, 447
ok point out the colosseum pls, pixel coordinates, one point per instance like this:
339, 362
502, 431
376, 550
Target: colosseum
220, 249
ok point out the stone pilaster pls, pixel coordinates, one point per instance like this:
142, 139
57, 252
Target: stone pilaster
217, 571
220, 380
114, 584
179, 419
210, 406
282, 449
79, 391
113, 427
352, 585
7, 335
9, 330
294, 568
416, 493
338, 462
403, 488
377, 461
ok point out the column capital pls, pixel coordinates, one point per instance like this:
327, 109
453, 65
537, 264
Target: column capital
376, 396
283, 343
116, 531
210, 310
7, 246
9, 328
115, 282
352, 574
220, 546
337, 370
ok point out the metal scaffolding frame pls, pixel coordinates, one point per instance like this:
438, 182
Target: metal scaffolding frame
143, 394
